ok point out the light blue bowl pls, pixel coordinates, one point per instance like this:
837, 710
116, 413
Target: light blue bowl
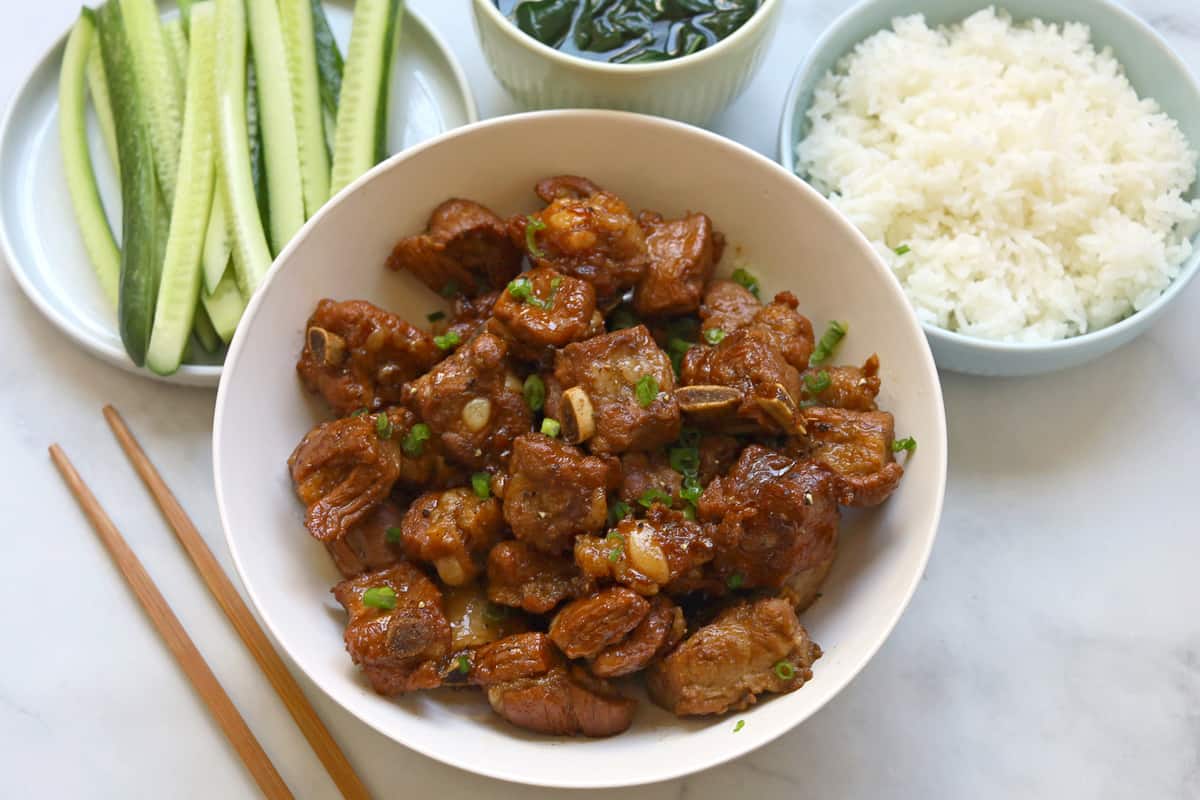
1153, 69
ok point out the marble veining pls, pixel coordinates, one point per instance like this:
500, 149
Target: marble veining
1051, 651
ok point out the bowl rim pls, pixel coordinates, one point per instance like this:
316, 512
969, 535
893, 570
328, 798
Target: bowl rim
1092, 338
939, 449
751, 28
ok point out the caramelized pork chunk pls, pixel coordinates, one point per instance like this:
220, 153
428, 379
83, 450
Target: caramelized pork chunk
682, 254
470, 315
359, 356
555, 492
718, 453
593, 237
764, 385
790, 331
523, 655
563, 702
452, 530
647, 555
521, 577
543, 309
396, 630
644, 474
345, 468
659, 631
748, 650
856, 446
849, 388
586, 626
371, 544
771, 517
628, 384
465, 249
727, 306
473, 404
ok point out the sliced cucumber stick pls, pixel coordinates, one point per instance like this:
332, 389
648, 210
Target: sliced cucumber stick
177, 45
77, 162
217, 242
296, 17
144, 215
391, 43
206, 334
285, 192
225, 306
364, 87
101, 104
252, 256
329, 60
179, 289
161, 92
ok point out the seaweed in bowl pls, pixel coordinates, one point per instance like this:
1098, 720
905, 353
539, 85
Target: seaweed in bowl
628, 31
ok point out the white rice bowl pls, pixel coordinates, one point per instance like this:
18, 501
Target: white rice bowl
1031, 194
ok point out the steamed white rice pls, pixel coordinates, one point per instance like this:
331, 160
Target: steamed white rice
1035, 195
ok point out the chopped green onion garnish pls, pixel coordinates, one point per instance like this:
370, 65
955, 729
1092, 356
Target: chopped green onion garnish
393, 535
520, 289
741, 723
689, 513
745, 279
614, 555
532, 226
735, 581
908, 444
691, 489
435, 316
617, 512
817, 383
380, 597
358, 412
556, 282
414, 440
463, 664
646, 390
535, 392
902, 249
550, 427
537, 302
447, 340
449, 289
685, 460
829, 342
494, 613
714, 335
481, 482
654, 495
383, 426
614, 537
784, 670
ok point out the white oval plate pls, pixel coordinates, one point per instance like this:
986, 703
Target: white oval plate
41, 242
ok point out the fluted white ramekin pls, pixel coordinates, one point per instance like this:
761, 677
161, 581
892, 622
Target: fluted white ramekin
691, 89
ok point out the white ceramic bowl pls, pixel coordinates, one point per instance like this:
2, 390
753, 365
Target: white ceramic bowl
1151, 66
691, 89
792, 238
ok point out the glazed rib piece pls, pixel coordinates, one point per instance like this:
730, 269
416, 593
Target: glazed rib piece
358, 356
727, 664
522, 577
399, 649
682, 255
464, 250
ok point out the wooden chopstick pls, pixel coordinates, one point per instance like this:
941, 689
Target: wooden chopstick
231, 603
173, 634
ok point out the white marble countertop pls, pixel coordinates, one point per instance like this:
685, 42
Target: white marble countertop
1052, 650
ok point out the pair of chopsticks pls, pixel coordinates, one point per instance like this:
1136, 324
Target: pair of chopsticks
182, 647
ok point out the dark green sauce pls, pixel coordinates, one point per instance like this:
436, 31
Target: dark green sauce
629, 31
